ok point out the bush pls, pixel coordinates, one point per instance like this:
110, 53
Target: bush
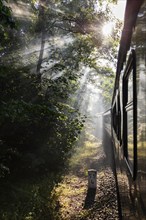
36, 131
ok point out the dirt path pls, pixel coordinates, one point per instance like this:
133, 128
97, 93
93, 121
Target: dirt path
93, 150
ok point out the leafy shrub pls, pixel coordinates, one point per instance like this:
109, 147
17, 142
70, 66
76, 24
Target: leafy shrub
37, 131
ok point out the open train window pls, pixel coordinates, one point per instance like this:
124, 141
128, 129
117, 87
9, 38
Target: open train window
130, 114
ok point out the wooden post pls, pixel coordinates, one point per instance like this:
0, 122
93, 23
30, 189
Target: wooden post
92, 181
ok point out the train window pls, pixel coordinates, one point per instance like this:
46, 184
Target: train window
130, 87
114, 117
130, 136
130, 141
119, 118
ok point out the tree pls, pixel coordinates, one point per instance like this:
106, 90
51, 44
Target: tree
82, 21
6, 19
38, 124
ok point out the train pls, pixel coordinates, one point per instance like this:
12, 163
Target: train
127, 115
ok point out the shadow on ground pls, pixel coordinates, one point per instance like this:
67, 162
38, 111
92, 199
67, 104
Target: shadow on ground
76, 200
90, 198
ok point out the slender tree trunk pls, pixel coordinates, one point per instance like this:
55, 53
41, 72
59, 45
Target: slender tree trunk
42, 23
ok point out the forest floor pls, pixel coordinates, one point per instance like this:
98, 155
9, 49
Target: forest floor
76, 201
93, 151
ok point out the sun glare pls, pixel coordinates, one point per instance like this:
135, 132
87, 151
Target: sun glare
107, 29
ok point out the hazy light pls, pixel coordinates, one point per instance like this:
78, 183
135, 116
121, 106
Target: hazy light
36, 5
107, 29
118, 9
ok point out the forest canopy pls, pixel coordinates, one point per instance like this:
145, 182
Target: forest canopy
44, 50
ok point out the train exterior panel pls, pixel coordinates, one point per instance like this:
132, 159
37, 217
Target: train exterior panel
129, 113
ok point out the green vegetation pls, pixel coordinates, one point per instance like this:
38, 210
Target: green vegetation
37, 133
30, 122
38, 121
72, 190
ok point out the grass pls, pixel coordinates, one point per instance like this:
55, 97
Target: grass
72, 191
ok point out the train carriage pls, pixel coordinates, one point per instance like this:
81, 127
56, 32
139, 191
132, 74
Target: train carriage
128, 113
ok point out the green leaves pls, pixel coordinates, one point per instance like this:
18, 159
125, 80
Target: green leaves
6, 15
107, 85
30, 124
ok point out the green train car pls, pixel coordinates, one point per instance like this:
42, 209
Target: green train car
128, 113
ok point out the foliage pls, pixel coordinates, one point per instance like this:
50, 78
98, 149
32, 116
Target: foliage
38, 125
37, 133
6, 15
82, 21
107, 84
6, 20
30, 200
30, 121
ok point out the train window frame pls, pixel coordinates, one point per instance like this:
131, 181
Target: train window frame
127, 107
119, 117
116, 113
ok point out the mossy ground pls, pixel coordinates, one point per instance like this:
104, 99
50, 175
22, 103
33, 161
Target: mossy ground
76, 201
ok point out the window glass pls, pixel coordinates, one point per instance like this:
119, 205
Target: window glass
129, 129
130, 140
130, 87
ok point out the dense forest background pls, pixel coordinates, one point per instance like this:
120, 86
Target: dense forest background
45, 49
